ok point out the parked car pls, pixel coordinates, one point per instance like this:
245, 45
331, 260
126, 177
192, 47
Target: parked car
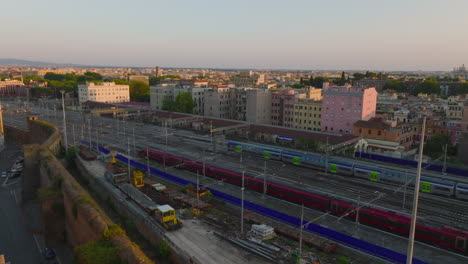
49, 253
4, 174
15, 174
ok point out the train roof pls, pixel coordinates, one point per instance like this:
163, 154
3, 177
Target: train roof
165, 208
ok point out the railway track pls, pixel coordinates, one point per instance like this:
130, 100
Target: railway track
356, 187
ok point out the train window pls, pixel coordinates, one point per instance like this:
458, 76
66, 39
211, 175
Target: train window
442, 188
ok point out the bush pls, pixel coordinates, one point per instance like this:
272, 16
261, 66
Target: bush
70, 157
343, 260
98, 252
164, 250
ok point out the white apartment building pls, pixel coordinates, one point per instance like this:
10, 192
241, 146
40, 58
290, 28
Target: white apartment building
198, 95
258, 108
106, 92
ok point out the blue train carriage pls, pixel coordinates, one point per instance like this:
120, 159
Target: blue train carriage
368, 173
461, 191
270, 153
436, 186
395, 176
340, 168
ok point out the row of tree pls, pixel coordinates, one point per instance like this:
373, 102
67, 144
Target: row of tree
435, 146
139, 91
155, 80
428, 86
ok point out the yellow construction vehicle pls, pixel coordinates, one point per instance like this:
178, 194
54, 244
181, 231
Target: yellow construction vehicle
112, 159
138, 179
166, 215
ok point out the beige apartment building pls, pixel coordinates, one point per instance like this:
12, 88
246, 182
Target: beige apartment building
307, 114
106, 92
258, 108
455, 110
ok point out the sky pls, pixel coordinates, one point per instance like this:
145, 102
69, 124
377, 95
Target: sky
259, 34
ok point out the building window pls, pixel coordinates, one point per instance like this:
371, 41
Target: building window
369, 132
379, 133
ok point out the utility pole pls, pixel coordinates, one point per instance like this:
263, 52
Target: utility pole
326, 158
97, 138
128, 159
147, 162
134, 148
165, 132
444, 169
409, 255
240, 160
264, 178
64, 122
300, 234
89, 129
357, 208
198, 190
404, 190
204, 160
242, 204
74, 138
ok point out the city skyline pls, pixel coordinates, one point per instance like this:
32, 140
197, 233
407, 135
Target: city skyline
421, 35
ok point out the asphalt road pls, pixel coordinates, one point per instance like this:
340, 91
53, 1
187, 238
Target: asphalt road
17, 243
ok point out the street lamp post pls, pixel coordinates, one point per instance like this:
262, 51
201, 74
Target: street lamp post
64, 122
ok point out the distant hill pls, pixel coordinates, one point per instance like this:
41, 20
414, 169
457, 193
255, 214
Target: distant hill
16, 62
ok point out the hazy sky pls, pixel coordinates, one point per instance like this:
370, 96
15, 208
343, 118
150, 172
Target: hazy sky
300, 34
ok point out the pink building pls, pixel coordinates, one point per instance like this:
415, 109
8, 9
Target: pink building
344, 105
282, 108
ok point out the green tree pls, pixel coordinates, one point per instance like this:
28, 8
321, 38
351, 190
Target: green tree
358, 76
139, 91
54, 76
429, 86
41, 91
394, 85
297, 86
121, 82
184, 103
155, 80
34, 78
462, 88
4, 77
92, 76
370, 74
436, 144
167, 105
342, 79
